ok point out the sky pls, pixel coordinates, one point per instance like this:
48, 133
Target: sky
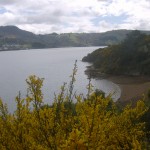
65, 16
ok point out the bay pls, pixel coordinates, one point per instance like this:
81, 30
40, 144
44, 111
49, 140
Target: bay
55, 65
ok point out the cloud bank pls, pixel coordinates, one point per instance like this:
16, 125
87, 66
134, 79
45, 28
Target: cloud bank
63, 16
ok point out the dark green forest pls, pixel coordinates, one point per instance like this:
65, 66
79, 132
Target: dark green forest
130, 57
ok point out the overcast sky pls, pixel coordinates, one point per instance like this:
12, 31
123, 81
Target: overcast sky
62, 16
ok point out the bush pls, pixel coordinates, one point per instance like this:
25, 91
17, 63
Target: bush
87, 124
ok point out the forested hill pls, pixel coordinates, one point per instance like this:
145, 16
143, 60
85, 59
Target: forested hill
11, 37
131, 57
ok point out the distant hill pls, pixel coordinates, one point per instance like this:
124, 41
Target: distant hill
11, 37
130, 57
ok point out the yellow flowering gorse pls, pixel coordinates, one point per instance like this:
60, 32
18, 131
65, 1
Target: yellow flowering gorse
91, 123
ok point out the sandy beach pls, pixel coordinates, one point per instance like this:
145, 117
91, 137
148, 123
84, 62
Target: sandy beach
132, 87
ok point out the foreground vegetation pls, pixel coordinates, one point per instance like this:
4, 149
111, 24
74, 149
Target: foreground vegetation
130, 57
93, 122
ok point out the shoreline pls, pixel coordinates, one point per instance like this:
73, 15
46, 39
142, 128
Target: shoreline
132, 87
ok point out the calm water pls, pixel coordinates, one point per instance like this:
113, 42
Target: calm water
55, 65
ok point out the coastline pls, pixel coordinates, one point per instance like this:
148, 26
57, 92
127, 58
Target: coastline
132, 87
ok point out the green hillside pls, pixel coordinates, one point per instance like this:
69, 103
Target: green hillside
12, 37
131, 57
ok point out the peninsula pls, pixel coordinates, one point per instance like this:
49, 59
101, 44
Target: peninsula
127, 64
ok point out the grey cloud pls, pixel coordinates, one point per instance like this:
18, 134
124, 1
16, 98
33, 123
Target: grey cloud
8, 2
104, 0
54, 17
68, 15
58, 13
143, 24
43, 19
